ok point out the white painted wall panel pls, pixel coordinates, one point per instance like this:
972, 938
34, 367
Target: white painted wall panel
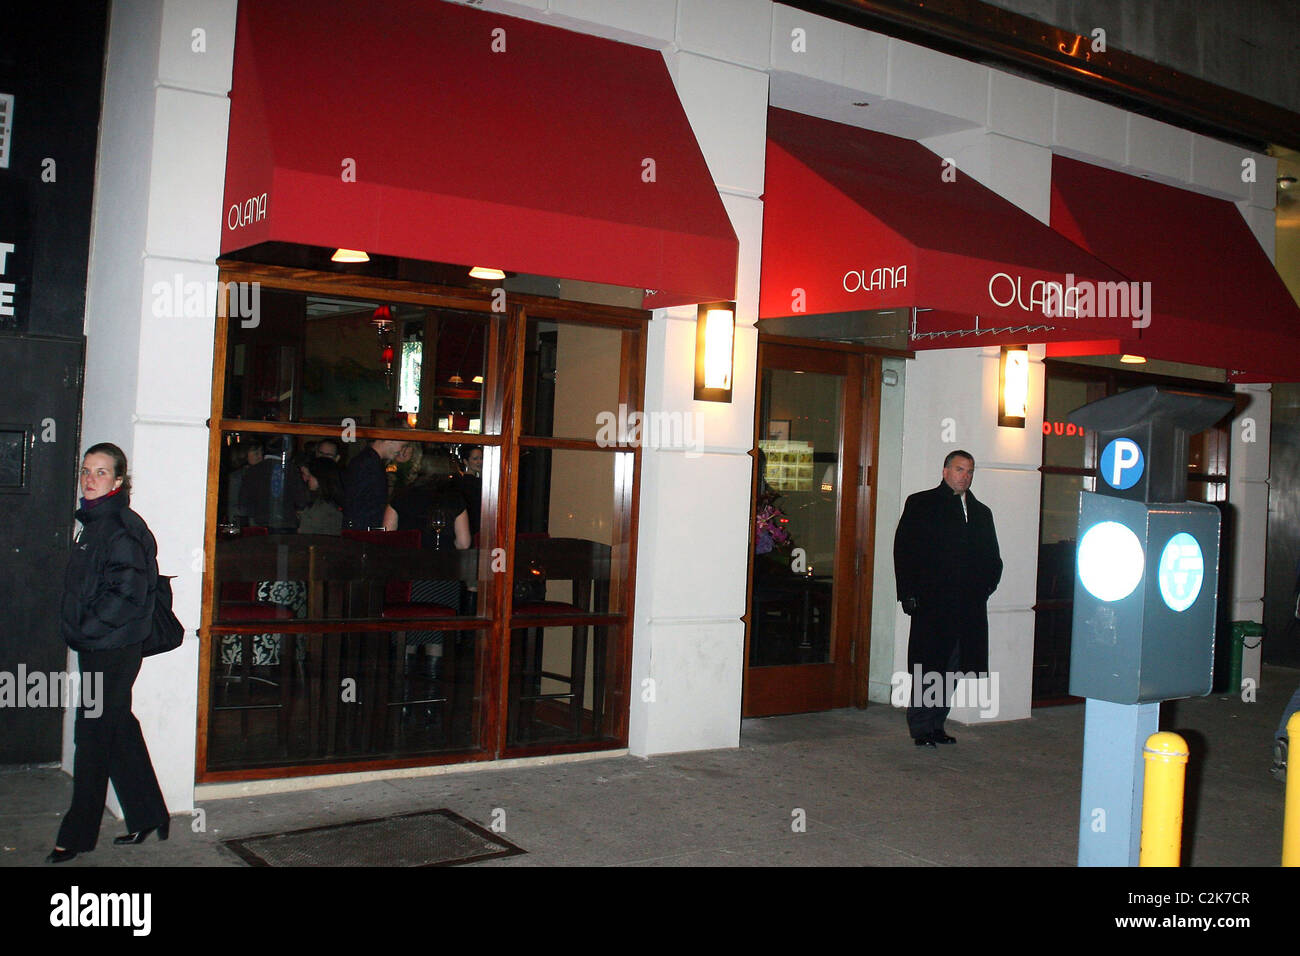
889, 505
727, 109
697, 674
701, 515
809, 45
188, 166
1092, 131
197, 47
175, 356
866, 63
747, 220
650, 19
936, 81
1217, 168
1158, 149
738, 31
1020, 108
1250, 506
1263, 191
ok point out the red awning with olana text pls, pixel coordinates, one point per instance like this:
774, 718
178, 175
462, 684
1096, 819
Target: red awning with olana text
431, 131
857, 221
1216, 298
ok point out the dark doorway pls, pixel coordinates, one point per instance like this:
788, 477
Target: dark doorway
39, 431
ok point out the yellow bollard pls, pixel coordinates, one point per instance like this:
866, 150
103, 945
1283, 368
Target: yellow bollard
1291, 811
1165, 756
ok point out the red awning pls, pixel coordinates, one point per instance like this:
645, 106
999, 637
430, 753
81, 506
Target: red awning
858, 221
436, 132
1216, 299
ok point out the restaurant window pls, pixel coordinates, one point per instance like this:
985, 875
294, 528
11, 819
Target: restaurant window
436, 628
1069, 466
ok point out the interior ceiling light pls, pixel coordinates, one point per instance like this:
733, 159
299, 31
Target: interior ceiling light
1285, 182
456, 379
349, 255
477, 380
1128, 359
486, 272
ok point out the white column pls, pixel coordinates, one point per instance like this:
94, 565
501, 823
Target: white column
150, 314
1248, 469
951, 402
688, 639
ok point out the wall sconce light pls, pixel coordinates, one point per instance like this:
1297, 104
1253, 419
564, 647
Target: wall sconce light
715, 343
1013, 386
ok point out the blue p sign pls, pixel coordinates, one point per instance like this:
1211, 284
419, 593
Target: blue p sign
1122, 463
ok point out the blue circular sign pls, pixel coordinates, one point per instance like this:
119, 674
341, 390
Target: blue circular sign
1182, 569
1122, 463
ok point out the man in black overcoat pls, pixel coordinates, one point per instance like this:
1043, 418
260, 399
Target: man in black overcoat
946, 564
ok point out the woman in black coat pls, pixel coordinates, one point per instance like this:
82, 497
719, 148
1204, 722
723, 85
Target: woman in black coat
105, 616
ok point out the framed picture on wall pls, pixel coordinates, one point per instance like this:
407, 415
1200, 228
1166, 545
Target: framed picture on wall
778, 429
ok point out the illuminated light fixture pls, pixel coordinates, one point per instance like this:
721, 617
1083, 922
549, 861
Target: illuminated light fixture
456, 380
486, 272
1110, 561
349, 255
411, 419
382, 319
1132, 359
1285, 182
1013, 386
477, 379
715, 344
828, 480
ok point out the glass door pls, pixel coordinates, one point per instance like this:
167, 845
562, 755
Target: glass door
806, 584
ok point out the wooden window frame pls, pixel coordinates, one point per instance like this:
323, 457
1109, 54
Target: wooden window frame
501, 430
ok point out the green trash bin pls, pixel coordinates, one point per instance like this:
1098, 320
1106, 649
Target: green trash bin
1242, 631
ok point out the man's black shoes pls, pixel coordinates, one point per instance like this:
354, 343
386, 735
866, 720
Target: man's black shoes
934, 739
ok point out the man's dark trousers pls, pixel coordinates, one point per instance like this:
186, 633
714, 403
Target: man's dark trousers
922, 720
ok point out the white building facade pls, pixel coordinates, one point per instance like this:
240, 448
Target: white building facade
158, 213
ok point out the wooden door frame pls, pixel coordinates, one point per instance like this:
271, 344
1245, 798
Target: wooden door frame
856, 602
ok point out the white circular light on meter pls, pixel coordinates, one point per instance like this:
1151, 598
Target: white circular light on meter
1182, 569
1110, 561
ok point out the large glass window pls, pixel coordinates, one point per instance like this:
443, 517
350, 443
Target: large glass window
367, 602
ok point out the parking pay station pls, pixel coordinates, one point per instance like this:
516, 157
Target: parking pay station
1145, 599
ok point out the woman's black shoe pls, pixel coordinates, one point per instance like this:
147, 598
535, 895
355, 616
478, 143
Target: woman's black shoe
132, 839
60, 856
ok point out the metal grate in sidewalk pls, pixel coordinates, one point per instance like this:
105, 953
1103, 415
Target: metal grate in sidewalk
424, 838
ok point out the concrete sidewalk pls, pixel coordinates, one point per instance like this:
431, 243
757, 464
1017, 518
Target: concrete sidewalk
1005, 795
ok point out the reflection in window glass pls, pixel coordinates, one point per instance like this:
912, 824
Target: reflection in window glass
317, 358
797, 508
571, 378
